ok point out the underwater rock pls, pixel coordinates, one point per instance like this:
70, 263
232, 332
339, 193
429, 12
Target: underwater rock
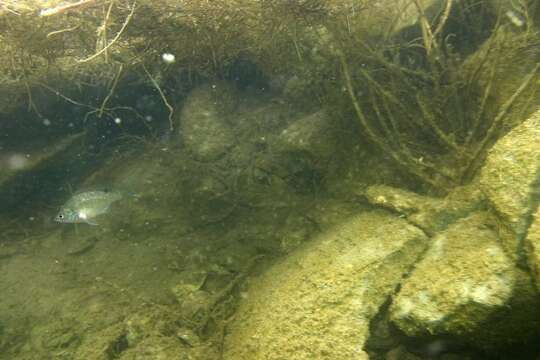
203, 125
194, 302
466, 286
429, 213
305, 149
209, 199
313, 134
507, 176
318, 302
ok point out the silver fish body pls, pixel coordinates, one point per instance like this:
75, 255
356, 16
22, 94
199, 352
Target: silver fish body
86, 206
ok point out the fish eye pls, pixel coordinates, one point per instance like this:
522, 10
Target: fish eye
60, 216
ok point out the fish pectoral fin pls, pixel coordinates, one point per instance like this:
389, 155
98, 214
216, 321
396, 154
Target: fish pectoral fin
90, 222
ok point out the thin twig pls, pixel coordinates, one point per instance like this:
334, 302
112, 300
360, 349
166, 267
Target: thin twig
111, 91
126, 22
103, 31
31, 104
53, 33
156, 85
58, 93
480, 113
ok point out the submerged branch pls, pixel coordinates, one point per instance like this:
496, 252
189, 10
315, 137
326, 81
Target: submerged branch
111, 91
441, 136
401, 158
66, 7
158, 88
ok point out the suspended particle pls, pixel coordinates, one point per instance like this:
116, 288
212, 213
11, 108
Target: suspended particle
515, 18
168, 58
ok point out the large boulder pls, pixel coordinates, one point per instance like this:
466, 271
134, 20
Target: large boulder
468, 288
507, 178
203, 124
318, 302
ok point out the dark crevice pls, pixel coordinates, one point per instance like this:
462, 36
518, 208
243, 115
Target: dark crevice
117, 347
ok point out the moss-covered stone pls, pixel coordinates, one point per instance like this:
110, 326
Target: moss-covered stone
317, 303
203, 126
467, 287
507, 177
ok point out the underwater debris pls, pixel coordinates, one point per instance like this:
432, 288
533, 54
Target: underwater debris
168, 58
65, 7
515, 18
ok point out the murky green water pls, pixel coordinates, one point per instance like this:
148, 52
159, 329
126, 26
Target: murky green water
243, 180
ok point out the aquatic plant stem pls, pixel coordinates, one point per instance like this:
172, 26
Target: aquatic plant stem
115, 39
31, 104
444, 18
158, 88
480, 113
496, 124
58, 93
428, 117
103, 31
62, 31
429, 36
394, 155
111, 91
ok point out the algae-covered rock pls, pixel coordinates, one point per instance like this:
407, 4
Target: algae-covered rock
313, 134
203, 125
508, 174
466, 286
317, 303
306, 148
429, 213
